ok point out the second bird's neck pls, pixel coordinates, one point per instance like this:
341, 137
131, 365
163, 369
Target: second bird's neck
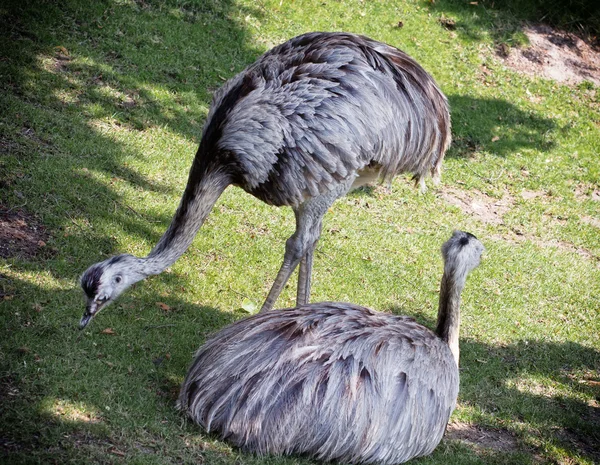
448, 323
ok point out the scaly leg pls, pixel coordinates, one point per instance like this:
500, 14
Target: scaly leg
304, 277
309, 216
293, 255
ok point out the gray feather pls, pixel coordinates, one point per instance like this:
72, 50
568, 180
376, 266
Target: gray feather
324, 105
308, 121
331, 380
334, 381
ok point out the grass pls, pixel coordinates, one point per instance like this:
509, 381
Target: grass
102, 110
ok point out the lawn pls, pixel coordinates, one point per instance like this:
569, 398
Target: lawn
102, 106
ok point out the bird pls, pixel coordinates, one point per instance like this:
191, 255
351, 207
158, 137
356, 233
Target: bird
335, 381
311, 119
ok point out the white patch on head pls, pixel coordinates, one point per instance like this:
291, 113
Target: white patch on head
105, 281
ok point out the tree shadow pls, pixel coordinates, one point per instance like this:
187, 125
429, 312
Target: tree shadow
132, 356
122, 76
495, 126
503, 20
104, 64
55, 63
70, 70
507, 384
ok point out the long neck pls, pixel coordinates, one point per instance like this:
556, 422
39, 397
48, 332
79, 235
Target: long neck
448, 323
204, 187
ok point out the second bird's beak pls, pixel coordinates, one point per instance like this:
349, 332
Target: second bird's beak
91, 309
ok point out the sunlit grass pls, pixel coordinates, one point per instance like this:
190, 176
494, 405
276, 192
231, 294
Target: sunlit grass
103, 105
66, 411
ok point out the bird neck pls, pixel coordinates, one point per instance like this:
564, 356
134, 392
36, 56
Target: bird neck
448, 322
205, 185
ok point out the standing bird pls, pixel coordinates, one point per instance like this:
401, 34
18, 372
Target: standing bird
335, 381
308, 121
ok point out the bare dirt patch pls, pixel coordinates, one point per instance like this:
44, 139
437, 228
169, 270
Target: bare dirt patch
528, 195
561, 245
587, 192
491, 210
21, 235
482, 437
591, 221
475, 203
583, 444
554, 54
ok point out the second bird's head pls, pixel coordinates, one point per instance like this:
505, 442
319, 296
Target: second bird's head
462, 253
105, 281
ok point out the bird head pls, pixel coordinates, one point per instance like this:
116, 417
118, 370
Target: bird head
105, 281
462, 253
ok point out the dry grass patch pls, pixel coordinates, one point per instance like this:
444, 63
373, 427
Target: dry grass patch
481, 437
556, 55
481, 206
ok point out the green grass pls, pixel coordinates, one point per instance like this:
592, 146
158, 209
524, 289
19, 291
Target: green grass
102, 109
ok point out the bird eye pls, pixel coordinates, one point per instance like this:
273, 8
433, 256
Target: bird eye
118, 279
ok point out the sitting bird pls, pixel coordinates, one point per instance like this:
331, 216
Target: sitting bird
310, 120
335, 381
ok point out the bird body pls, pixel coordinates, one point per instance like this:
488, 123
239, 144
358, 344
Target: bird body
331, 380
308, 121
320, 109
334, 381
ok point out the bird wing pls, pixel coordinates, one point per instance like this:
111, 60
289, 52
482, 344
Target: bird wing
335, 381
320, 108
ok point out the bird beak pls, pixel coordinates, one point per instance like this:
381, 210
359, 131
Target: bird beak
90, 310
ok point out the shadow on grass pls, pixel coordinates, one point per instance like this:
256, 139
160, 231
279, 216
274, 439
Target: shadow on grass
68, 70
73, 396
75, 75
495, 126
130, 376
503, 20
74, 69
506, 384
81, 396
65, 69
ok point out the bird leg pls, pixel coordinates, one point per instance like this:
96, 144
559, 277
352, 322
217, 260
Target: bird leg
300, 246
304, 277
306, 265
293, 254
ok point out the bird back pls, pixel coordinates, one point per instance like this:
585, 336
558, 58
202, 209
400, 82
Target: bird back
320, 108
329, 380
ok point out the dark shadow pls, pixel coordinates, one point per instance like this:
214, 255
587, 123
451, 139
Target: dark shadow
503, 20
138, 364
492, 377
143, 357
66, 69
99, 63
496, 126
363, 191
